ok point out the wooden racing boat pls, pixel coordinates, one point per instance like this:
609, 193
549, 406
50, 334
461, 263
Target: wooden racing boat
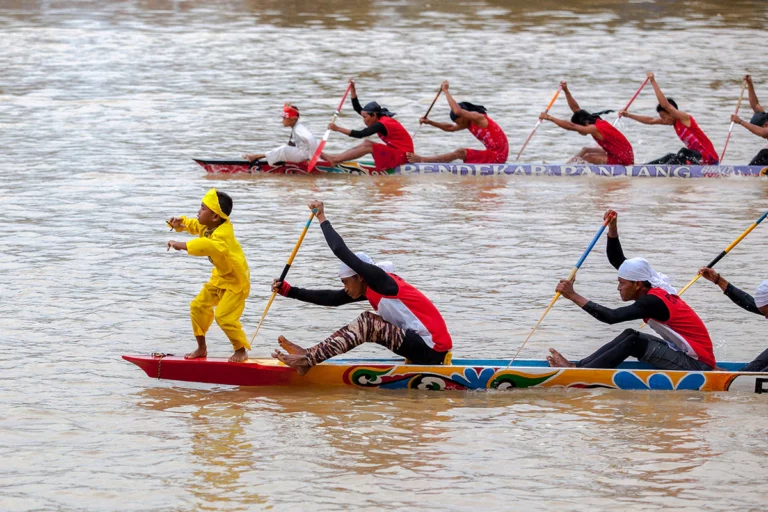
367, 168
462, 374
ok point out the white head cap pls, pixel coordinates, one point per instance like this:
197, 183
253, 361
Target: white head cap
761, 295
346, 271
386, 266
638, 269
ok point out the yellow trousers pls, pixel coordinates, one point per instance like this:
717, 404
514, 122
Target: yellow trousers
225, 306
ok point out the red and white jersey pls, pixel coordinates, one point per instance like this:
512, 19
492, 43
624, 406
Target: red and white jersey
397, 136
694, 139
412, 310
684, 328
492, 136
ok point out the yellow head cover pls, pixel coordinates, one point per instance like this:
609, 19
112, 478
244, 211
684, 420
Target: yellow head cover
211, 200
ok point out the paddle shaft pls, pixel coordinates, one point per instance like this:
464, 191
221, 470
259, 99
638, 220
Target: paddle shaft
571, 277
321, 146
428, 111
285, 272
632, 100
549, 106
738, 105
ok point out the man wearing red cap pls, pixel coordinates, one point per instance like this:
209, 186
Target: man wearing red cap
301, 145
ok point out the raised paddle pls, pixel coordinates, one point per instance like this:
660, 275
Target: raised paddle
428, 111
571, 277
722, 254
285, 271
728, 138
549, 106
632, 100
321, 146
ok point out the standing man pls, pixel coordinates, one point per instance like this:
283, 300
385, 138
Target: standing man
614, 148
698, 148
466, 116
756, 125
301, 144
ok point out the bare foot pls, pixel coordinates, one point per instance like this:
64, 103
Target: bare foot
295, 361
290, 346
414, 158
197, 354
329, 159
239, 356
557, 360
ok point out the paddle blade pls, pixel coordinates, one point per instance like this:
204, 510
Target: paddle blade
316, 156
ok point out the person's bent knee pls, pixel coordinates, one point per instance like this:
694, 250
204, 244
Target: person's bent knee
629, 332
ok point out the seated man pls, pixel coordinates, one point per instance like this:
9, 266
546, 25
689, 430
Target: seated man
684, 343
408, 323
301, 144
756, 125
758, 305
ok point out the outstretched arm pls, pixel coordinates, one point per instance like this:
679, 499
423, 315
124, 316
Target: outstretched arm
474, 117
647, 306
567, 125
753, 102
739, 297
666, 105
330, 298
446, 127
760, 131
571, 102
641, 119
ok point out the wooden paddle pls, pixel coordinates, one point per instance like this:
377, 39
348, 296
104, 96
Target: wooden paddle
728, 138
428, 111
321, 146
632, 100
571, 277
549, 106
721, 255
285, 270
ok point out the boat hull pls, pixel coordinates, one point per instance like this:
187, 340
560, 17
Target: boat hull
367, 168
465, 374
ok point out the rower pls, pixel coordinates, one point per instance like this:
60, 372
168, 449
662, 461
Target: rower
407, 323
757, 304
698, 148
301, 144
466, 116
378, 120
757, 124
684, 343
614, 148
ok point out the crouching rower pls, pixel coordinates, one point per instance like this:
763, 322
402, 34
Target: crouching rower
757, 304
408, 323
466, 116
684, 343
614, 148
756, 125
698, 148
301, 144
378, 120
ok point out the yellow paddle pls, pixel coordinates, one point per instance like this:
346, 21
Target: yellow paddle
285, 271
571, 277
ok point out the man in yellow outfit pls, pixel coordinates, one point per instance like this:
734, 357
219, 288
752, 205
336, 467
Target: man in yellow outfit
230, 281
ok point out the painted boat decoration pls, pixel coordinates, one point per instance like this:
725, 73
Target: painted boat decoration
462, 374
367, 168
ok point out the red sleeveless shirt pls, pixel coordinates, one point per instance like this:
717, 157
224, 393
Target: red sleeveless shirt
412, 310
684, 328
397, 136
492, 137
615, 144
694, 139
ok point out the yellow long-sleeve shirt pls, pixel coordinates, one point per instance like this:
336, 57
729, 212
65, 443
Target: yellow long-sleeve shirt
230, 269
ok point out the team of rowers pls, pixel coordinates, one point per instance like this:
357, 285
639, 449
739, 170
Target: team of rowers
613, 147
410, 325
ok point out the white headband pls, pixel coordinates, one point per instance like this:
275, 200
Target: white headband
638, 269
761, 295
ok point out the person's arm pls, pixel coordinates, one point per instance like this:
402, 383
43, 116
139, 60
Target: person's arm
375, 128
473, 117
739, 297
191, 226
753, 102
331, 298
760, 131
647, 306
571, 101
567, 125
666, 105
613, 247
641, 119
355, 101
377, 279
446, 127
